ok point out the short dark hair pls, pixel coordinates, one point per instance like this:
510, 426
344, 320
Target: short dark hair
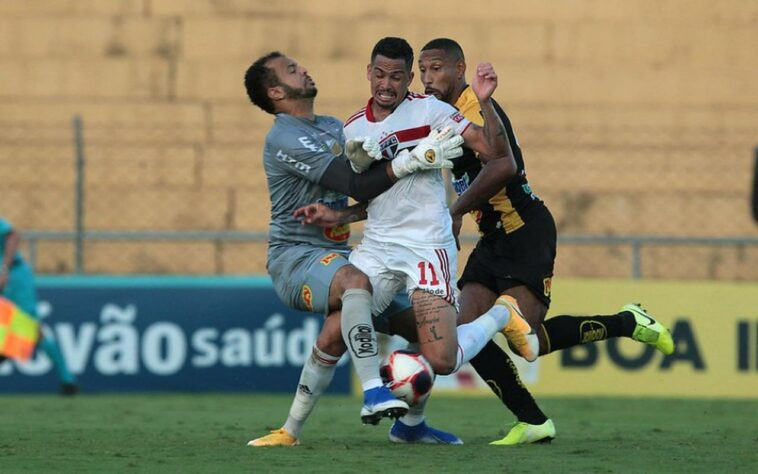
394, 48
447, 45
259, 78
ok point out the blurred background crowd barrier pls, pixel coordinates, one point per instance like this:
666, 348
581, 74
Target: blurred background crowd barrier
128, 145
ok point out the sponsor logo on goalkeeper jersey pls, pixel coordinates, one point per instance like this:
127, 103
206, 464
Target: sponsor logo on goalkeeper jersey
308, 143
331, 146
340, 233
285, 158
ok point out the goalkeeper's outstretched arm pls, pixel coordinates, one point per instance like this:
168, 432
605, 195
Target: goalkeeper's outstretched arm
340, 177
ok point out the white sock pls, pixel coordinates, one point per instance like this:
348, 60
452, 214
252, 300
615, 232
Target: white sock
415, 415
316, 376
473, 336
360, 337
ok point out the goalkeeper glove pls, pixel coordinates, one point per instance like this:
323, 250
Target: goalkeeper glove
433, 152
362, 152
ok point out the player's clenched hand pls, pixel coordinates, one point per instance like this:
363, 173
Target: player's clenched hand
433, 152
484, 82
317, 214
362, 152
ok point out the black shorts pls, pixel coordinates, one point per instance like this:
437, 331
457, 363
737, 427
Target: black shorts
524, 257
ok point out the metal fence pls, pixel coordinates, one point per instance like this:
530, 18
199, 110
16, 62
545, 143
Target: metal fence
99, 199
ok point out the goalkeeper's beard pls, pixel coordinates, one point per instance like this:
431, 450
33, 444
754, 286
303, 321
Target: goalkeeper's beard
302, 93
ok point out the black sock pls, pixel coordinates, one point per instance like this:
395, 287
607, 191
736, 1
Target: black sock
497, 369
568, 331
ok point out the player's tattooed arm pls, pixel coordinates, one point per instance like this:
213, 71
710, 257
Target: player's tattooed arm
490, 140
354, 213
494, 133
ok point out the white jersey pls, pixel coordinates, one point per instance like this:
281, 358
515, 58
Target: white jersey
413, 212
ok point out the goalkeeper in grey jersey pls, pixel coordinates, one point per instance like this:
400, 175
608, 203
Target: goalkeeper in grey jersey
305, 162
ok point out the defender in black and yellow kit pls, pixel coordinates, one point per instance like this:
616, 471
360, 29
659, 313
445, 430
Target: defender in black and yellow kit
515, 255
510, 252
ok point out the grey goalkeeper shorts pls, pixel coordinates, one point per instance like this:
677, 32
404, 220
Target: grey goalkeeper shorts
302, 275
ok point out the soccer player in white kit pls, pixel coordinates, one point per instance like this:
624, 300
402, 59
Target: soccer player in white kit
408, 241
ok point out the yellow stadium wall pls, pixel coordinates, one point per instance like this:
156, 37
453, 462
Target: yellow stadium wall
634, 116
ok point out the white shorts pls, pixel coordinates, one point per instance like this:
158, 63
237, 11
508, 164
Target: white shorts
393, 268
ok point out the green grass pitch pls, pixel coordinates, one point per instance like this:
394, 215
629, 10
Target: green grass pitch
207, 433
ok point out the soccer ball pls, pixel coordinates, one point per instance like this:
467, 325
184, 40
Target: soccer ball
409, 376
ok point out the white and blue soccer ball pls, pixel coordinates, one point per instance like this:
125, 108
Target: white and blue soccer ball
409, 376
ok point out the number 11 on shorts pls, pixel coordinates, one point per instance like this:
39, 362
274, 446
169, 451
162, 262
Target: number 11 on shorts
422, 266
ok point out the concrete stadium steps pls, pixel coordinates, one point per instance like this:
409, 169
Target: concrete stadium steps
718, 263
545, 32
666, 262
649, 213
243, 258
43, 207
142, 166
150, 257
88, 36
613, 55
571, 10
24, 165
52, 256
157, 208
642, 114
664, 171
56, 8
35, 134
234, 167
35, 120
101, 78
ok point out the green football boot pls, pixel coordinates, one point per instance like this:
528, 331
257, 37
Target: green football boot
524, 433
650, 331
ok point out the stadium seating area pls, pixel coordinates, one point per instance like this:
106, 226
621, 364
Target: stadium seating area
634, 117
